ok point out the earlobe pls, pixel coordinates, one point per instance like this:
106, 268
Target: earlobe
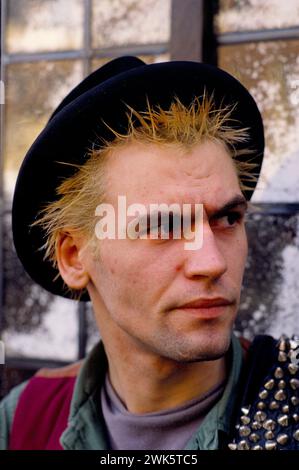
70, 261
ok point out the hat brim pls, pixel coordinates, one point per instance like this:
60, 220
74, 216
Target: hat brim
76, 126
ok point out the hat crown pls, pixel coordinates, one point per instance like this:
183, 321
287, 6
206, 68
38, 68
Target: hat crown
105, 72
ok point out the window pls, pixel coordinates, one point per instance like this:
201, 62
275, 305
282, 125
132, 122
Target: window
47, 48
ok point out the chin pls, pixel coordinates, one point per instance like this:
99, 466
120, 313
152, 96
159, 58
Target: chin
205, 348
202, 355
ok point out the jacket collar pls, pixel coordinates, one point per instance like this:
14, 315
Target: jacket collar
86, 428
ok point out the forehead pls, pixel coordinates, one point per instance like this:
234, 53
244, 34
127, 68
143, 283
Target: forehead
151, 173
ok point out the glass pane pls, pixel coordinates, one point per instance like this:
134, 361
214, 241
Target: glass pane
148, 59
33, 90
36, 323
271, 70
39, 25
269, 300
246, 15
123, 22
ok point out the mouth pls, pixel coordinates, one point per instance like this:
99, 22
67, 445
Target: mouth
206, 308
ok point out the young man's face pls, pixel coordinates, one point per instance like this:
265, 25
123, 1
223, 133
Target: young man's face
138, 287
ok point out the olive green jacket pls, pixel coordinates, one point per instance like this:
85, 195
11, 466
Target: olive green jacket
86, 427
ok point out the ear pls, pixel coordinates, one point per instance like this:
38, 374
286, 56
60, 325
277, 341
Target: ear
70, 261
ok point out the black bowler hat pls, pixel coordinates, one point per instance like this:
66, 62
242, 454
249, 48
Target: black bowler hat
79, 121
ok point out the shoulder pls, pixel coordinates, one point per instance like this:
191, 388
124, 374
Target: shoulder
71, 370
7, 411
43, 381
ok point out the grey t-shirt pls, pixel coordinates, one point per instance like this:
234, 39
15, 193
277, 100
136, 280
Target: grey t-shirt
169, 429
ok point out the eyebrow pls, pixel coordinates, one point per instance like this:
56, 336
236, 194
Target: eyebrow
236, 201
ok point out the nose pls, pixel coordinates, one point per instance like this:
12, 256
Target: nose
207, 261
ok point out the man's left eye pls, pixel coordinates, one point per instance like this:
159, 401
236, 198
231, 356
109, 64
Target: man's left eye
228, 220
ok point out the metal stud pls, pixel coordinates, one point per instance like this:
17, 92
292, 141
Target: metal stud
270, 384
292, 354
260, 416
282, 357
281, 384
269, 435
274, 405
278, 374
294, 384
283, 420
244, 431
245, 419
243, 445
295, 417
245, 410
295, 400
280, 395
270, 445
282, 439
285, 409
256, 425
269, 425
261, 405
257, 447
293, 368
263, 394
296, 435
232, 446
294, 344
282, 345
254, 437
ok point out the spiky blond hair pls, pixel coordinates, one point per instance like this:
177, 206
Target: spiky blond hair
79, 195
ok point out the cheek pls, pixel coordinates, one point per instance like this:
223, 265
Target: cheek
235, 251
244, 244
122, 271
239, 252
115, 284
129, 271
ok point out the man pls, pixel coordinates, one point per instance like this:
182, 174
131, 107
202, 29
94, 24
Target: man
168, 372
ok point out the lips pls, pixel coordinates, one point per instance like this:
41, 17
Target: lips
206, 308
207, 303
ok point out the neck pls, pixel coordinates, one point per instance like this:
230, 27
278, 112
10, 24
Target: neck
153, 383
